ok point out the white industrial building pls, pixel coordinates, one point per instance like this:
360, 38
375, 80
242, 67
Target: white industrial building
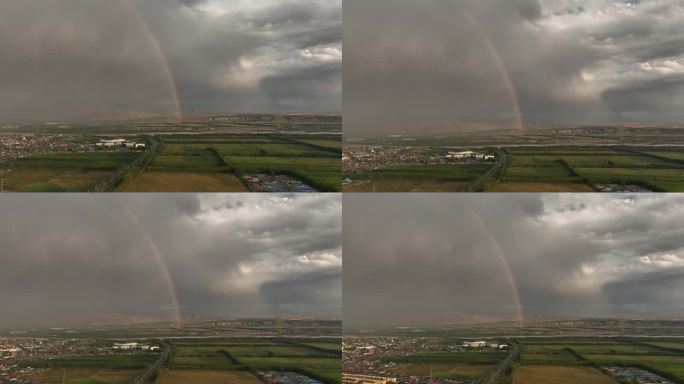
474, 344
114, 143
470, 155
348, 378
134, 346
125, 346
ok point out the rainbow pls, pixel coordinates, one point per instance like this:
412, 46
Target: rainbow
501, 257
503, 69
154, 40
159, 259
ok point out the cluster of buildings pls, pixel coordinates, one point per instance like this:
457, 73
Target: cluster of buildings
483, 345
381, 359
277, 183
16, 355
470, 155
366, 158
349, 378
379, 356
14, 147
279, 377
619, 188
120, 143
135, 347
635, 376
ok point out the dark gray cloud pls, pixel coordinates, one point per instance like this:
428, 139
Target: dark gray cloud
434, 65
78, 259
425, 258
85, 58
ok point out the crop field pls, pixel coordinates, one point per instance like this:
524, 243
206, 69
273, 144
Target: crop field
320, 360
674, 155
206, 377
183, 182
512, 186
662, 357
421, 178
452, 365
446, 371
84, 376
114, 368
330, 346
331, 144
579, 169
520, 167
554, 374
116, 361
276, 356
63, 172
313, 160
668, 344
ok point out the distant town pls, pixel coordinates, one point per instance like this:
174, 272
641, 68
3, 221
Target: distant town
250, 351
539, 352
226, 153
539, 159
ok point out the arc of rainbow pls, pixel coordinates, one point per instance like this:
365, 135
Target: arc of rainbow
159, 259
503, 69
501, 257
166, 67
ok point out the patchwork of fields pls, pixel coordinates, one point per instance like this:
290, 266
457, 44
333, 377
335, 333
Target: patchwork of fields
452, 365
575, 360
542, 374
183, 163
527, 169
197, 376
242, 358
233, 360
67, 172
228, 159
109, 369
420, 178
582, 169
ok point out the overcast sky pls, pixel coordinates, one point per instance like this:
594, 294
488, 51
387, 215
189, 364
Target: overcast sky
421, 66
74, 58
428, 259
86, 258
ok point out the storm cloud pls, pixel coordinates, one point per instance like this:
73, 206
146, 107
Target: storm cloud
96, 58
433, 259
83, 259
444, 65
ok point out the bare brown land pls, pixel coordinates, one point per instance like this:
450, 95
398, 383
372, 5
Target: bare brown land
207, 377
183, 182
554, 374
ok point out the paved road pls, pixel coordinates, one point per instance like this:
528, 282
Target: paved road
497, 376
490, 174
148, 375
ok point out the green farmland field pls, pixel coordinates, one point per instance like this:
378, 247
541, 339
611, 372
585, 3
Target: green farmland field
137, 361
319, 361
420, 178
585, 167
84, 376
452, 365
183, 182
311, 159
661, 357
541, 374
63, 172
204, 376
